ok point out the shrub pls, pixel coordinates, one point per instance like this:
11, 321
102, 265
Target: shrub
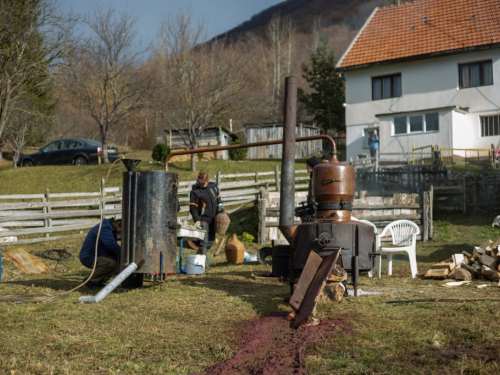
160, 152
247, 237
237, 154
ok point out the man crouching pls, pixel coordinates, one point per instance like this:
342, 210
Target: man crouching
108, 252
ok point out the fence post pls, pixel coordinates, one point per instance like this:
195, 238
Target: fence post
431, 211
277, 177
47, 209
425, 216
262, 220
103, 195
464, 187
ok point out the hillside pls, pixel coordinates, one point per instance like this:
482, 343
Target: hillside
348, 13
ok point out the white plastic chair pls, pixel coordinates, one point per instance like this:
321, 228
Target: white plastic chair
404, 237
377, 238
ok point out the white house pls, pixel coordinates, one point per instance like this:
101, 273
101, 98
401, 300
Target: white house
425, 73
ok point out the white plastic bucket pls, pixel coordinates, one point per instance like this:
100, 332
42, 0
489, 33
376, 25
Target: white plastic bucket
195, 264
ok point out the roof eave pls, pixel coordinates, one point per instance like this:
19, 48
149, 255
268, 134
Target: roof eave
356, 38
421, 57
455, 108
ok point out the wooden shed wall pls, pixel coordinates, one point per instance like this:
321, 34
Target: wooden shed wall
275, 132
211, 137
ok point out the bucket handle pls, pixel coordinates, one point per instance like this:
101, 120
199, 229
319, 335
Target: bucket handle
196, 265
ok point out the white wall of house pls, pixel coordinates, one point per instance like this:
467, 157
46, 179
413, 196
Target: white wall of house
428, 85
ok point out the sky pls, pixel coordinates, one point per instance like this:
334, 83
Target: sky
219, 15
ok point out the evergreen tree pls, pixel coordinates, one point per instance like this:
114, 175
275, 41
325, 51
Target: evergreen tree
325, 102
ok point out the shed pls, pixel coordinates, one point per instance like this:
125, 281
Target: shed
274, 131
211, 137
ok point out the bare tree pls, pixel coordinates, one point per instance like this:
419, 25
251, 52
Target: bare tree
22, 120
280, 35
200, 82
32, 40
104, 72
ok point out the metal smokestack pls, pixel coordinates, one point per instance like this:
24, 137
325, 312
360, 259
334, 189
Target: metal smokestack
287, 189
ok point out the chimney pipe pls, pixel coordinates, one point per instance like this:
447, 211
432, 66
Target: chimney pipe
287, 189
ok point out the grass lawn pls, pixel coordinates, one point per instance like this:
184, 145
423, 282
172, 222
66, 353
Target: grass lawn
192, 322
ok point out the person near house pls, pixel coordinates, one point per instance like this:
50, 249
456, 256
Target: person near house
374, 143
326, 158
108, 252
204, 204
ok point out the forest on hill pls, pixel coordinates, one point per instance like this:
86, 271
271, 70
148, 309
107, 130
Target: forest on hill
58, 84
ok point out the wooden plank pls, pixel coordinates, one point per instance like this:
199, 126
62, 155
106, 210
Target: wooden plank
439, 273
262, 222
47, 230
42, 239
74, 203
57, 214
23, 196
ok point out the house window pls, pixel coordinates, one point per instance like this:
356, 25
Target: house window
475, 74
490, 125
386, 87
428, 122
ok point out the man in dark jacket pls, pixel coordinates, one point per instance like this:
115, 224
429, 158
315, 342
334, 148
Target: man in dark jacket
108, 252
204, 204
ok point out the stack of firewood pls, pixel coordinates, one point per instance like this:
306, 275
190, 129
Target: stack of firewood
482, 264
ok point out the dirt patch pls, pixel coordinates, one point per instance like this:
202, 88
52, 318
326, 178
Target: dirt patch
271, 347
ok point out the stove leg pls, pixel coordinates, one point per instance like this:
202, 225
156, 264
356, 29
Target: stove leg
355, 274
292, 273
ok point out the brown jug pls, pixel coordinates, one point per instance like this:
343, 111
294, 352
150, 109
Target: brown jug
221, 222
235, 250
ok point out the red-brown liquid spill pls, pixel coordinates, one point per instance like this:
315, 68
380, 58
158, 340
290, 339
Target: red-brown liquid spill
271, 347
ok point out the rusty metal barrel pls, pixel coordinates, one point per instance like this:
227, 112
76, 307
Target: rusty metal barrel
149, 218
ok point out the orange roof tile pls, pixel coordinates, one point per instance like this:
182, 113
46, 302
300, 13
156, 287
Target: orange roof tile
424, 27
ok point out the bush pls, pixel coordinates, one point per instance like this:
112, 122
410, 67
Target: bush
160, 152
237, 154
247, 237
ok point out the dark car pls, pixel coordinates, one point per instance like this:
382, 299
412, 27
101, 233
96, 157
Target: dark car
77, 151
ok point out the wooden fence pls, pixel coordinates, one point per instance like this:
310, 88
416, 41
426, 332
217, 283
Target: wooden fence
52, 216
371, 205
33, 218
469, 193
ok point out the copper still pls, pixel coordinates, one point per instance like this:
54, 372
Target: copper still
333, 191
326, 225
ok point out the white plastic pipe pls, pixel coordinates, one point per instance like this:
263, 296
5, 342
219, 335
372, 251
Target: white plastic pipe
111, 286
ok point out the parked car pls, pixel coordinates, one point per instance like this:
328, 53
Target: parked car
77, 151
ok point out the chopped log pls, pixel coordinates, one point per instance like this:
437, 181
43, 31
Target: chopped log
491, 272
488, 261
478, 251
466, 254
462, 274
457, 259
496, 243
438, 273
484, 244
477, 266
449, 266
452, 274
